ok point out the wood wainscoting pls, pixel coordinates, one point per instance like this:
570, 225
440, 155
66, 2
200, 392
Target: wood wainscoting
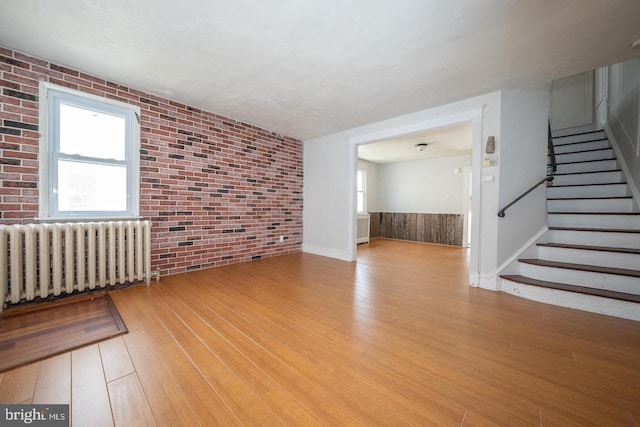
444, 229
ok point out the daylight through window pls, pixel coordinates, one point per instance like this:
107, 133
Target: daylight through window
361, 190
92, 156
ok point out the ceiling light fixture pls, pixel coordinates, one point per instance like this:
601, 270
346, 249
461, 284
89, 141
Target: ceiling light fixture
421, 146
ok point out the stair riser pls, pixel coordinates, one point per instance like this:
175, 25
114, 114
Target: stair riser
588, 166
594, 145
626, 222
600, 258
614, 190
590, 205
611, 282
594, 238
588, 178
607, 306
587, 155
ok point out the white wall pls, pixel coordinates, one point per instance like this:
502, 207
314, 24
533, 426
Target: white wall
572, 102
328, 188
523, 160
330, 165
424, 186
623, 100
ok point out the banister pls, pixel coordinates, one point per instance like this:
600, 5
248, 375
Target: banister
501, 212
552, 152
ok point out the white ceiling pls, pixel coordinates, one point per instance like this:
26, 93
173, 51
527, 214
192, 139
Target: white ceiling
314, 67
445, 142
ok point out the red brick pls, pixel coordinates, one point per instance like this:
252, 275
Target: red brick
30, 59
177, 192
20, 110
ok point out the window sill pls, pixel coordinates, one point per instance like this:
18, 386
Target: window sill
87, 219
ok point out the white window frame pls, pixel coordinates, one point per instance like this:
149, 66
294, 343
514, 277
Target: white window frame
49, 97
363, 191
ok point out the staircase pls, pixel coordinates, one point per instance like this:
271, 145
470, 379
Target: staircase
590, 257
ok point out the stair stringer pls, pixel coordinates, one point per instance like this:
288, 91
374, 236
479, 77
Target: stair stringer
528, 250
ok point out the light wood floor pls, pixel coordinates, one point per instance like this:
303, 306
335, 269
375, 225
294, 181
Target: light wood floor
397, 338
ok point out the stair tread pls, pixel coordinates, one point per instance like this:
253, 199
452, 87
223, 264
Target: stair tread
583, 267
578, 133
590, 198
557, 143
592, 248
587, 172
573, 288
583, 151
584, 161
602, 230
586, 141
587, 185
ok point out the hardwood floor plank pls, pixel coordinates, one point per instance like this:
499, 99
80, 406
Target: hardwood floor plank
207, 405
290, 410
90, 404
54, 381
19, 384
115, 359
494, 404
130, 406
241, 400
335, 390
167, 402
474, 420
307, 371
396, 338
565, 400
236, 360
336, 414
417, 405
552, 418
322, 352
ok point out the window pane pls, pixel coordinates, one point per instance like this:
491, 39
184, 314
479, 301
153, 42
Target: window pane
91, 133
360, 184
91, 187
360, 201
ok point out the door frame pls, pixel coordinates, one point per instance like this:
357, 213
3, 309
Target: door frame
472, 116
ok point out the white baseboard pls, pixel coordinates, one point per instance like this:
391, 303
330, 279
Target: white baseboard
474, 279
490, 283
327, 252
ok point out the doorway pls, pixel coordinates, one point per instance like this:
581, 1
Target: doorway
473, 119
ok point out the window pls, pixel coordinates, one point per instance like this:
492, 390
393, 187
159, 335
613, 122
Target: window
361, 190
89, 151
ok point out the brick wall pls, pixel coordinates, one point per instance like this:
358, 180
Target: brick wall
217, 190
